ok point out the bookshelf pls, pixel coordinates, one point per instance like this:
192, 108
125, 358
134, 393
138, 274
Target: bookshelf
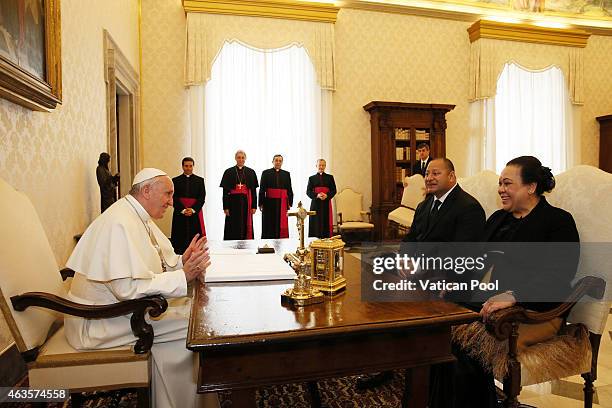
397, 129
605, 143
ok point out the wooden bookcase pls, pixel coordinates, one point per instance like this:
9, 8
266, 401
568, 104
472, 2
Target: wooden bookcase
397, 128
605, 143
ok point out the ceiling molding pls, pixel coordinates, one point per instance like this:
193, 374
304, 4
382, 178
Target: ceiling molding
287, 9
528, 33
469, 11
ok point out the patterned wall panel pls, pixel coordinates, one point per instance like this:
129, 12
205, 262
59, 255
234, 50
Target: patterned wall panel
52, 156
598, 95
164, 103
401, 58
164, 100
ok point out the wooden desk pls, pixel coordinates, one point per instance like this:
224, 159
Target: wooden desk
247, 339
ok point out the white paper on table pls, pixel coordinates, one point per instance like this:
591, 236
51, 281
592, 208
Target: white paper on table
247, 267
230, 251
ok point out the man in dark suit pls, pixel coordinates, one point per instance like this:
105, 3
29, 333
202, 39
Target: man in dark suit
448, 214
420, 166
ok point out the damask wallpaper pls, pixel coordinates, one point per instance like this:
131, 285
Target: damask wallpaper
164, 98
399, 58
52, 156
598, 95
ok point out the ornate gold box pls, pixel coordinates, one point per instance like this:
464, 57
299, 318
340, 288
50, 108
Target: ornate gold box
327, 265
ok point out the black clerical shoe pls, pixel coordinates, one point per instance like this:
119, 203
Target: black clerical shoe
369, 381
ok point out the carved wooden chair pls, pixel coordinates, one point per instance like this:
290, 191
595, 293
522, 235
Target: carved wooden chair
401, 218
581, 191
351, 217
27, 264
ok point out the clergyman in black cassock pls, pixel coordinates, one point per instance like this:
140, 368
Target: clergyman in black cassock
275, 198
321, 189
188, 217
239, 185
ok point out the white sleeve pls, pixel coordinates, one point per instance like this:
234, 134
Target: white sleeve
170, 284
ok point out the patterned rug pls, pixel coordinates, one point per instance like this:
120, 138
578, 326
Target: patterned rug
335, 393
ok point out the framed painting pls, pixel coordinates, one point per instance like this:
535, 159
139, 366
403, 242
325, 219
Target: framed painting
30, 53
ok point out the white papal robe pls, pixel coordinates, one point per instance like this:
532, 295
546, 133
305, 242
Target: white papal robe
116, 260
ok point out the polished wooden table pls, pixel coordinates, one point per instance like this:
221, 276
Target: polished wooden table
246, 339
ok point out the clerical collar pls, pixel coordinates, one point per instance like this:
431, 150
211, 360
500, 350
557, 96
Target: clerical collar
142, 213
187, 175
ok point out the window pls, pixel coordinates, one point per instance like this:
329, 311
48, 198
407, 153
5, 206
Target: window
533, 116
264, 102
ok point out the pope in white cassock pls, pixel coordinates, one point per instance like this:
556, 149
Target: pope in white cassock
124, 255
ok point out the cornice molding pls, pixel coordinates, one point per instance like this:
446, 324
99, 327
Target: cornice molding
469, 11
287, 9
528, 33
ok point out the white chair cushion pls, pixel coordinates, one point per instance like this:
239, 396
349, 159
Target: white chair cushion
60, 366
402, 216
356, 225
483, 187
584, 191
26, 264
348, 203
414, 191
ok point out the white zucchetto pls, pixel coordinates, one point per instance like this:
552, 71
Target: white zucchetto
146, 174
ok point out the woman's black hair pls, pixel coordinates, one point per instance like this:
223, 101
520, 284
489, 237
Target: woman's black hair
532, 171
104, 159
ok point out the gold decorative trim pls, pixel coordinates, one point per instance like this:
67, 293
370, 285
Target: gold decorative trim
85, 358
20, 86
459, 10
528, 33
141, 99
288, 9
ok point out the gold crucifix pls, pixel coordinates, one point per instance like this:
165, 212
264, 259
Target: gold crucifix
300, 216
302, 293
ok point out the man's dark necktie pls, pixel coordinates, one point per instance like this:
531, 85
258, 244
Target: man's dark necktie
434, 211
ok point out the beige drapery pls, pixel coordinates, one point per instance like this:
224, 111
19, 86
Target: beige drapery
488, 57
206, 34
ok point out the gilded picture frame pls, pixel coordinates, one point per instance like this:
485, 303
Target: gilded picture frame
30, 53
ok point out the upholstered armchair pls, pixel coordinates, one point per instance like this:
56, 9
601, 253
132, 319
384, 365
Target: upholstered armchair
414, 192
483, 187
582, 191
31, 301
351, 217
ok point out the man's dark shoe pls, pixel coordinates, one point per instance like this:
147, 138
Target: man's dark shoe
370, 381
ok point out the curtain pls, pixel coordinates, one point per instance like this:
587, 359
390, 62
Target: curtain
481, 141
264, 102
207, 33
531, 114
488, 57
